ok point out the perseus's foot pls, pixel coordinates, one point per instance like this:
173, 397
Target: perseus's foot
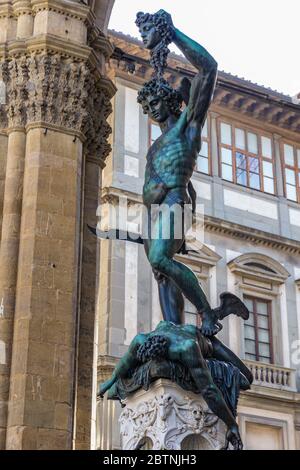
105, 387
210, 325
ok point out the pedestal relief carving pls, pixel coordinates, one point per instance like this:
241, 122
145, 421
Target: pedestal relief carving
166, 415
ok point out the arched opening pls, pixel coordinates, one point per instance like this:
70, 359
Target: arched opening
195, 442
102, 10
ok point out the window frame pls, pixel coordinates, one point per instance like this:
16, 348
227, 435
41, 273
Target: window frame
295, 168
268, 302
150, 122
208, 140
234, 149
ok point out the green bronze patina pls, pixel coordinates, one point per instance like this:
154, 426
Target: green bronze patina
180, 353
192, 357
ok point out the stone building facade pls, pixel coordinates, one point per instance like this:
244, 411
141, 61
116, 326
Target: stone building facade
248, 182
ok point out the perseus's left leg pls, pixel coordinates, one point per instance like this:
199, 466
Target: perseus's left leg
171, 300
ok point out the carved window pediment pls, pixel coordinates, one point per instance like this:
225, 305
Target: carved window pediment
260, 267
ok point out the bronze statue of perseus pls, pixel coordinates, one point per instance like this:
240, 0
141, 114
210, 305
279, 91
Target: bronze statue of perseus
171, 160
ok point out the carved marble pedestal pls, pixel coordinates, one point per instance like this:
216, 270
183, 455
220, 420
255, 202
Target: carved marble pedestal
166, 417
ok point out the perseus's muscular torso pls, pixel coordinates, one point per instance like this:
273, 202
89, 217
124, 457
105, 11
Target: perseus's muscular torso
170, 164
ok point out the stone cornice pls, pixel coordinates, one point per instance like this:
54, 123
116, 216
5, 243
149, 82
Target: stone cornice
71, 9
32, 7
103, 45
22, 7
231, 94
53, 44
55, 128
218, 226
270, 394
6, 10
251, 235
45, 43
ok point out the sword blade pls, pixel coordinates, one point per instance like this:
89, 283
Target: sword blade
121, 235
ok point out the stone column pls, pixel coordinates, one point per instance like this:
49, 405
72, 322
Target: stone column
42, 370
9, 250
53, 68
3, 141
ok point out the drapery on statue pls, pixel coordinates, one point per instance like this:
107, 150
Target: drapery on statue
171, 160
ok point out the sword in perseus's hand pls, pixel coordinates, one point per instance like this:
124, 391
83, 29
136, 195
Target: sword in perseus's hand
124, 236
116, 234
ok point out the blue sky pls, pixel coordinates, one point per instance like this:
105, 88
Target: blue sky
258, 39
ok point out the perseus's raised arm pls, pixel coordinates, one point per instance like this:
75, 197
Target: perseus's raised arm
195, 53
203, 84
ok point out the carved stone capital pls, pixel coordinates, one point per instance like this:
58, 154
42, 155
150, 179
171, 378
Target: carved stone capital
61, 92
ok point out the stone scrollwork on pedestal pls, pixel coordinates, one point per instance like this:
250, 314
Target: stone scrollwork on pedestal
166, 415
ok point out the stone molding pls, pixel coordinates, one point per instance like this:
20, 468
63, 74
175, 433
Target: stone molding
71, 9
166, 415
248, 265
21, 7
214, 225
6, 10
258, 237
68, 8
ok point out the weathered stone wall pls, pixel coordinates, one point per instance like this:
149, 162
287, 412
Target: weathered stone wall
54, 105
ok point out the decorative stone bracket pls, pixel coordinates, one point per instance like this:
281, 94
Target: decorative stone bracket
166, 415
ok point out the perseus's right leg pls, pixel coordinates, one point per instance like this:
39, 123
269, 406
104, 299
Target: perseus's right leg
170, 296
127, 362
